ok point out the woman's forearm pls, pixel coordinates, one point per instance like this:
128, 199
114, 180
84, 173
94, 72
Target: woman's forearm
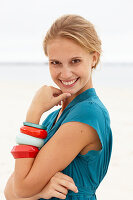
25, 168
24, 165
33, 116
10, 194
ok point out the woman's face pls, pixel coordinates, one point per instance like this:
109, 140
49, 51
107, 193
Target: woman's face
70, 65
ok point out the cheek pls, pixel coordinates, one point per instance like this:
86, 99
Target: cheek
54, 73
85, 74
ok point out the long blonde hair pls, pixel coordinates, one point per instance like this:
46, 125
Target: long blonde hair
78, 29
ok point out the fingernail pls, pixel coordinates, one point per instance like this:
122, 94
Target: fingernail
77, 191
68, 95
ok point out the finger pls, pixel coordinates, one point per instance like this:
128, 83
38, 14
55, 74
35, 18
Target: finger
56, 91
62, 97
66, 177
58, 195
57, 94
61, 189
59, 104
68, 185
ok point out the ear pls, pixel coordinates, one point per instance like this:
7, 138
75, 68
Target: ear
95, 57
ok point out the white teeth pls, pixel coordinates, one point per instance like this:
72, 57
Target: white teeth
68, 83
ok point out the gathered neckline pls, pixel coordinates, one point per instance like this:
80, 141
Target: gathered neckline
86, 94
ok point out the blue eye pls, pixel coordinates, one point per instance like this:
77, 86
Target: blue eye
76, 61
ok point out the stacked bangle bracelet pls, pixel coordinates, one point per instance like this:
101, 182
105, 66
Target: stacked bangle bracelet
30, 138
24, 151
35, 132
34, 125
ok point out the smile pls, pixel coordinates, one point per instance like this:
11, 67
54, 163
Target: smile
69, 84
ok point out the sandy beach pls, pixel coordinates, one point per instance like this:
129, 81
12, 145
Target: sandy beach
15, 99
24, 68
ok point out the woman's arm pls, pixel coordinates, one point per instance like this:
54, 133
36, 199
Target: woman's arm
10, 194
31, 175
66, 143
57, 187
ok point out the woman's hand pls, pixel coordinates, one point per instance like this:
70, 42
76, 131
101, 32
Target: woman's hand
46, 98
58, 187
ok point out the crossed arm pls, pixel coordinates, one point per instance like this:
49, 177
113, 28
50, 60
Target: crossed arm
58, 187
10, 194
66, 143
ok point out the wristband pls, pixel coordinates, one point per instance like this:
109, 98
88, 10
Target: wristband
24, 151
35, 132
34, 125
29, 140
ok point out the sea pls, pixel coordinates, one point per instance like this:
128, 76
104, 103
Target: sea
106, 74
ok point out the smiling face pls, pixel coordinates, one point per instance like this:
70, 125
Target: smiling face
70, 65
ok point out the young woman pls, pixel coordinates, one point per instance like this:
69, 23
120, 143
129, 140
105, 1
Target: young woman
77, 149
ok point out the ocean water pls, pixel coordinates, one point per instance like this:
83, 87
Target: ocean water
106, 74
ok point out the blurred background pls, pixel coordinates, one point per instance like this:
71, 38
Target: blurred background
24, 69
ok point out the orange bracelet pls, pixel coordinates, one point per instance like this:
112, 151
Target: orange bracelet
24, 151
35, 132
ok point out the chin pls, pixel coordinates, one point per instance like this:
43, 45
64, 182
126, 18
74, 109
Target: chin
71, 91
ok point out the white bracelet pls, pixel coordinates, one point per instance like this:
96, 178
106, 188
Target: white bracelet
22, 138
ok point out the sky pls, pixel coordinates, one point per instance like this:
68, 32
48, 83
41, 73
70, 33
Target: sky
24, 23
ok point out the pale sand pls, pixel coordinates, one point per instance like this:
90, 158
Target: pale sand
15, 97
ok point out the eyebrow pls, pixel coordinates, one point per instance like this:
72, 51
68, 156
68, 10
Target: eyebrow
76, 57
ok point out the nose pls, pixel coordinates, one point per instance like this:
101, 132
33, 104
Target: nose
66, 73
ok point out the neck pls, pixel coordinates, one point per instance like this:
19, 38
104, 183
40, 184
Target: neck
69, 99
66, 102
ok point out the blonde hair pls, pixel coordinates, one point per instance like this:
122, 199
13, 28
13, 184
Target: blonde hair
78, 29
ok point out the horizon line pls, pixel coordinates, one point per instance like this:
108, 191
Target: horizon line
46, 63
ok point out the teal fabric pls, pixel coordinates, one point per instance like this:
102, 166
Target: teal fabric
86, 170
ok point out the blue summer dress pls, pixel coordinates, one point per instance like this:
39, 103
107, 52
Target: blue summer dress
86, 170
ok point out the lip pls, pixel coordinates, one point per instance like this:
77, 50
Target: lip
69, 80
69, 86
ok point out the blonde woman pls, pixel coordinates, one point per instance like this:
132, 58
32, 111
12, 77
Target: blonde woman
76, 153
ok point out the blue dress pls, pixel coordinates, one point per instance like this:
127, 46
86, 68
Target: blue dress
86, 170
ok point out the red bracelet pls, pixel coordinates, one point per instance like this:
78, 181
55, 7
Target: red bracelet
35, 132
24, 151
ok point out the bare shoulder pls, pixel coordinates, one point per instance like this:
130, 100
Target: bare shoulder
81, 132
86, 136
68, 141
